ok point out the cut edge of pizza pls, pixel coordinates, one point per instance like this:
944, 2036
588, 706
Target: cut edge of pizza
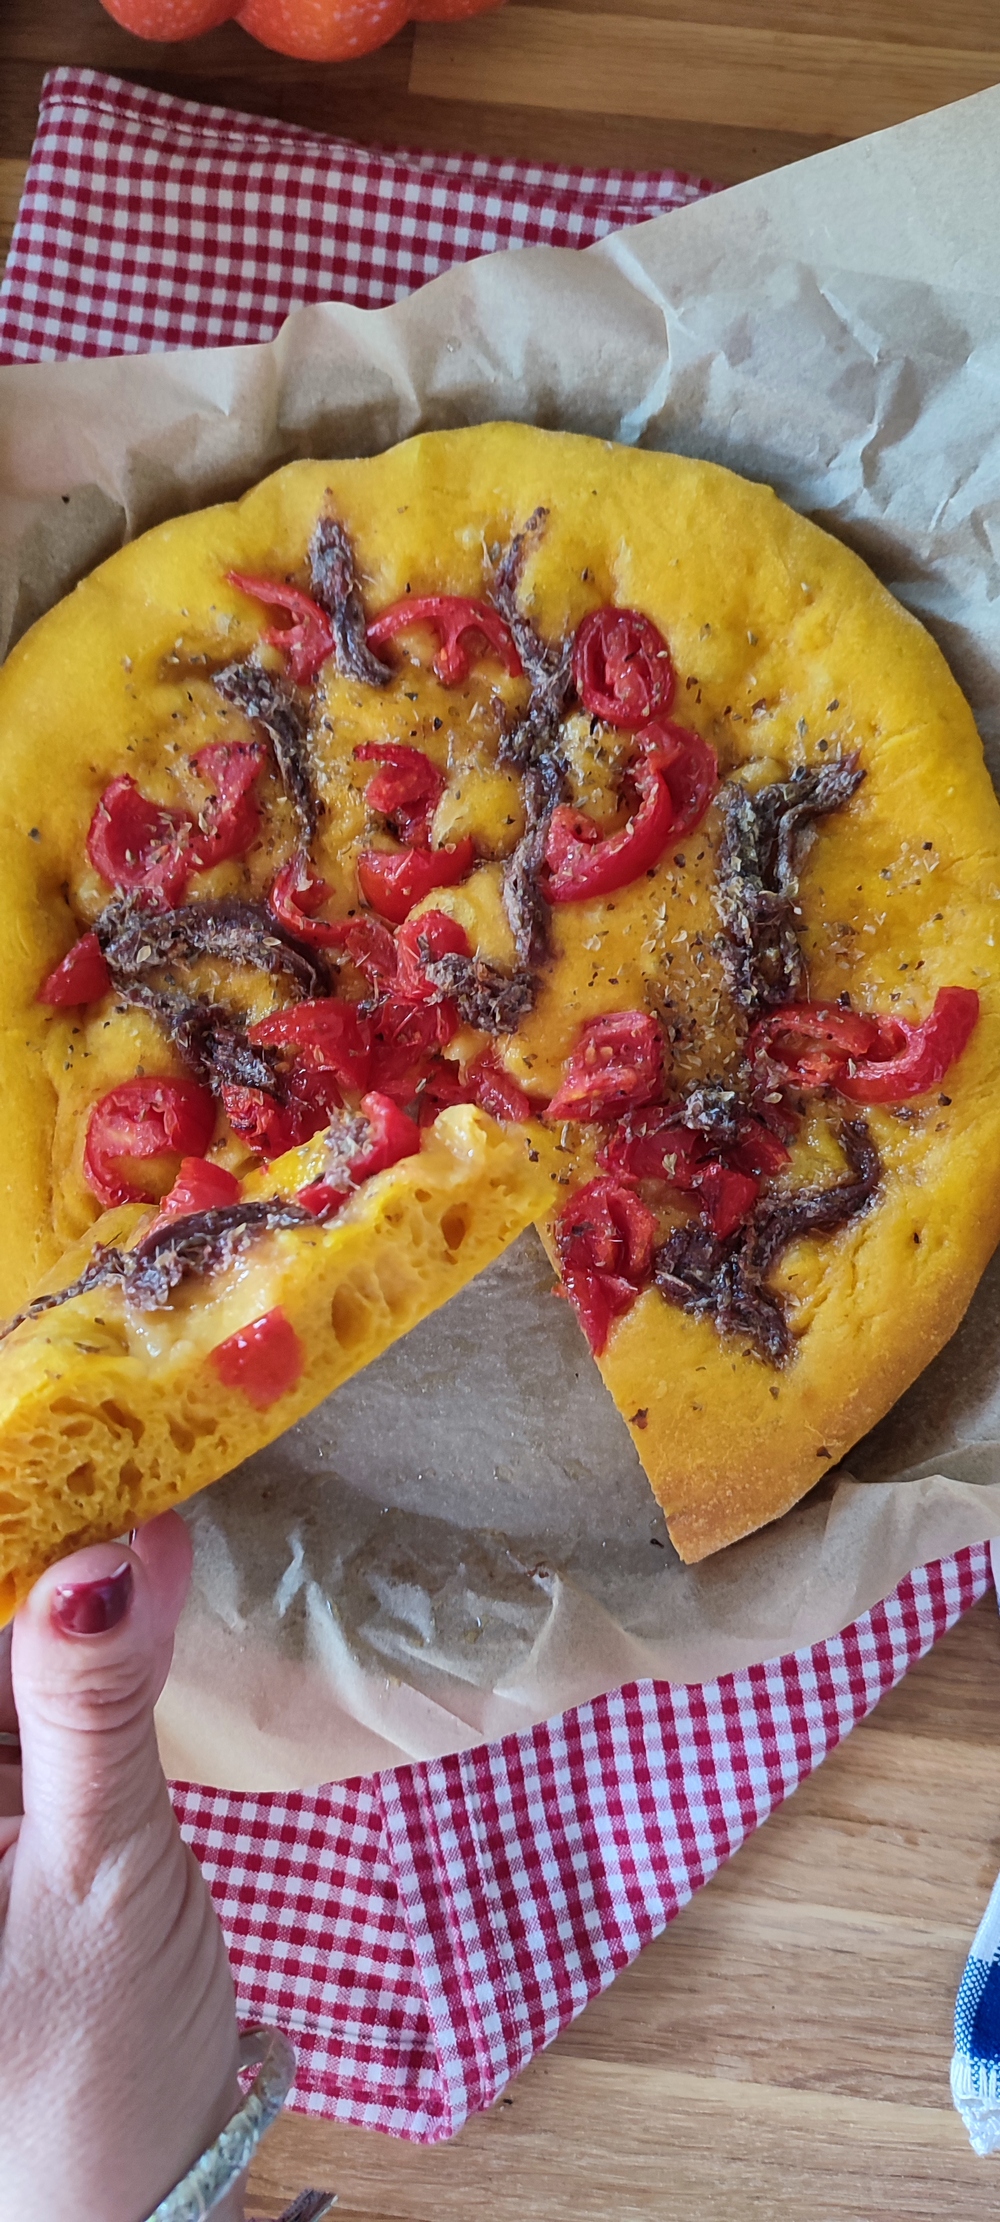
168, 1349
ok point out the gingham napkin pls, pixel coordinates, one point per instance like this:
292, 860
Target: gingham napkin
149, 223
421, 1934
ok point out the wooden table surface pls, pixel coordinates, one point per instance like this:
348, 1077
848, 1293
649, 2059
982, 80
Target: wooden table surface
781, 2054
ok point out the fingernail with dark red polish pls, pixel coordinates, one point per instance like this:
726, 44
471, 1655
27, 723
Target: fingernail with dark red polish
91, 1608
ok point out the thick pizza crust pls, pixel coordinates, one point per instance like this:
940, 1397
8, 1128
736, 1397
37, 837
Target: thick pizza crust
110, 1416
787, 649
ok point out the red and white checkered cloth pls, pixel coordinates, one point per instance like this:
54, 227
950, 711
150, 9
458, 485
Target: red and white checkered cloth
149, 223
422, 1934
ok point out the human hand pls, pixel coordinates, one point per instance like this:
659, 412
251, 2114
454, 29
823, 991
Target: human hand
117, 2019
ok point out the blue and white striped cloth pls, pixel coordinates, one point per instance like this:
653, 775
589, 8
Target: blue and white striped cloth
975, 2068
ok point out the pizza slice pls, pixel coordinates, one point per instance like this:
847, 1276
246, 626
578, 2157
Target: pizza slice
508, 827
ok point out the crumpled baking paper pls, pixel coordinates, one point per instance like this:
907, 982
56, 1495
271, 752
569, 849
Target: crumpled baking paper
462, 1542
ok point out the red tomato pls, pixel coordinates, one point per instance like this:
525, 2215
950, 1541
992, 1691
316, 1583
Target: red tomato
82, 977
653, 1145
308, 640
420, 940
494, 1090
605, 1239
325, 1034
265, 1360
407, 792
622, 670
371, 947
782, 1035
391, 1137
296, 892
392, 880
452, 617
616, 1065
689, 766
868, 1058
727, 1198
137, 845
144, 1118
230, 825
269, 1127
906, 1060
676, 774
406, 1038
581, 865
200, 1186
407, 789
134, 843
313, 30
327, 1050
758, 1150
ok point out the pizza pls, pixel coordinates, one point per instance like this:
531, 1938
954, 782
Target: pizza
507, 829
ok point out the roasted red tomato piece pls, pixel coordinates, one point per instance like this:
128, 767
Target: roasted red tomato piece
269, 1127
622, 669
390, 1137
308, 640
392, 880
144, 1118
265, 1360
406, 1039
326, 1050
617, 1064
605, 1240
870, 1059
419, 942
494, 1090
140, 846
325, 1034
296, 893
82, 977
458, 622
200, 1186
726, 1197
581, 864
784, 1036
371, 947
675, 773
137, 844
231, 823
407, 792
758, 1150
906, 1060
652, 1145
688, 765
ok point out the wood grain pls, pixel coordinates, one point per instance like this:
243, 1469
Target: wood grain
781, 2054
693, 84
697, 72
11, 182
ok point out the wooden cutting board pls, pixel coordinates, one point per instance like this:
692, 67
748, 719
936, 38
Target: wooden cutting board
781, 2054
725, 88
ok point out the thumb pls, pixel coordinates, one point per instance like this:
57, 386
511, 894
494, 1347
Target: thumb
90, 1654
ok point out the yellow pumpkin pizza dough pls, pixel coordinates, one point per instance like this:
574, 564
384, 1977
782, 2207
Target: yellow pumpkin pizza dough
788, 653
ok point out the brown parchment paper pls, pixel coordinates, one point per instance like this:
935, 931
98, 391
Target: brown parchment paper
462, 1541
